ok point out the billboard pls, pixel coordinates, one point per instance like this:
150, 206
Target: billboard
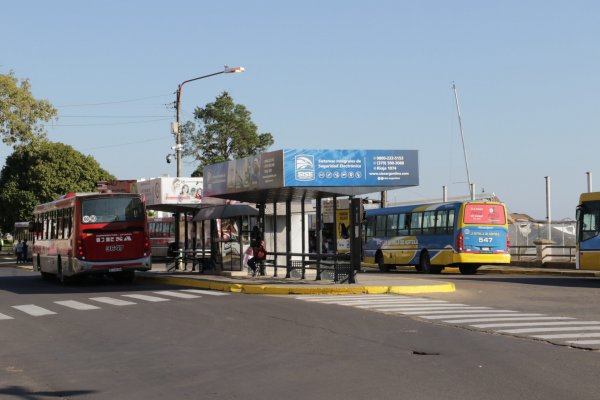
334, 168
164, 190
305, 168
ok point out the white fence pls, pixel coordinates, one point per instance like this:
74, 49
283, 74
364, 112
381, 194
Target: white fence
524, 235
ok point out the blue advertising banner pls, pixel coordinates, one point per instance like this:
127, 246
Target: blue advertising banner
346, 172
342, 168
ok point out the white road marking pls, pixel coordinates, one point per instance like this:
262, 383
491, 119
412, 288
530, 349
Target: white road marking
112, 301
431, 310
568, 336
581, 342
177, 294
464, 313
415, 306
510, 317
481, 314
33, 310
4, 316
207, 292
146, 297
551, 329
515, 324
406, 305
77, 305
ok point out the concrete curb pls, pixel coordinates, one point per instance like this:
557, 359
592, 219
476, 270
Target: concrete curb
443, 287
570, 273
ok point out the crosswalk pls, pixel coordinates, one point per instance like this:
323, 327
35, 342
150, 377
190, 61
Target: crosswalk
97, 303
560, 330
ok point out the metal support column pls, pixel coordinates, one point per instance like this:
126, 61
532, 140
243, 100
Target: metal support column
288, 237
319, 238
275, 257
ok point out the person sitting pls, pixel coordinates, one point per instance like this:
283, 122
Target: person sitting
259, 253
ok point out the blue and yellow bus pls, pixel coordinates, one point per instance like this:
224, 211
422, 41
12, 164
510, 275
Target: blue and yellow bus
588, 231
433, 236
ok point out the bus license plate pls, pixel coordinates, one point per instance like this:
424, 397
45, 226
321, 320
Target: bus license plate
119, 269
485, 249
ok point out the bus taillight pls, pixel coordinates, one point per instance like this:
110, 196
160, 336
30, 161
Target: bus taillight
146, 245
460, 242
80, 249
507, 242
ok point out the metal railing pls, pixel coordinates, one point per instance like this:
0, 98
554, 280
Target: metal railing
556, 253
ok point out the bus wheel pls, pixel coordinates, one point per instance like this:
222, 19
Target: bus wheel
424, 263
468, 269
382, 266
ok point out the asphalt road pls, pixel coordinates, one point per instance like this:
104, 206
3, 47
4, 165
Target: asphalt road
239, 346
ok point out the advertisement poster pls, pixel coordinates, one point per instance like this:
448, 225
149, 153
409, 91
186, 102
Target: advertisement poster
335, 168
342, 233
305, 168
181, 190
262, 171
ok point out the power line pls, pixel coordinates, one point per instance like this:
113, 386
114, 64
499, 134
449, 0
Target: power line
110, 124
113, 102
114, 116
127, 144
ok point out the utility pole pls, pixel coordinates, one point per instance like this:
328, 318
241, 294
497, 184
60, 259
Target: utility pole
463, 140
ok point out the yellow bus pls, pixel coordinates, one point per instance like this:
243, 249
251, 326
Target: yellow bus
433, 236
588, 231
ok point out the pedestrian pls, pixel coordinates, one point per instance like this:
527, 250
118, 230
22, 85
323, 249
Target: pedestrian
19, 251
24, 249
259, 252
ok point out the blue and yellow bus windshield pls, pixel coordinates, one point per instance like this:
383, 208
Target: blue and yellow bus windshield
432, 236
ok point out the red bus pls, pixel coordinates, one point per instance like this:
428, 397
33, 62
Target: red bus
91, 233
162, 233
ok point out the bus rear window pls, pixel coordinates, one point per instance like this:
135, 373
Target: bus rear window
492, 214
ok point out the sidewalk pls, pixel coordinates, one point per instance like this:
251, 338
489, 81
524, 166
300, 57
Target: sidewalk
240, 282
368, 282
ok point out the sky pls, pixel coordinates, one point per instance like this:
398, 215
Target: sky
330, 75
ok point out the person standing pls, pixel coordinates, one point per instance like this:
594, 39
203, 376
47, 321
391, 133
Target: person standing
19, 251
24, 249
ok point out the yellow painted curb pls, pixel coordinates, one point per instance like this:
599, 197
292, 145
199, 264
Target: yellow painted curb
445, 287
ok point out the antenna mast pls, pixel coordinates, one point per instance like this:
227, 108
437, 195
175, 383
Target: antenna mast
462, 135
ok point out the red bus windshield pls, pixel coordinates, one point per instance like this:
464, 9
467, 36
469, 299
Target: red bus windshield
112, 209
492, 214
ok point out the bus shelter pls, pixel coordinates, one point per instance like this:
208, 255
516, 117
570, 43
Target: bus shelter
300, 175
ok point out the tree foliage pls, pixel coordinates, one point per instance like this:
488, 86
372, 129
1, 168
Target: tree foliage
21, 115
42, 171
226, 132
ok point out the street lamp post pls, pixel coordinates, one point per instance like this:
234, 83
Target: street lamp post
178, 146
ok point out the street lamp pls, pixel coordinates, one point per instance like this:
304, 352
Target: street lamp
177, 130
178, 147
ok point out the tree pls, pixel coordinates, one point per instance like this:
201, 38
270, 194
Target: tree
21, 115
42, 171
226, 133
